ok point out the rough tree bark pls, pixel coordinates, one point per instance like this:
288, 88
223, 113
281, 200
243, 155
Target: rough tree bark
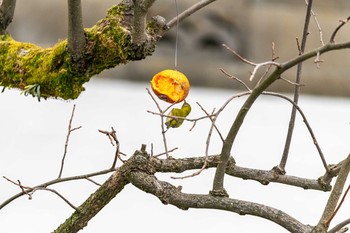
108, 44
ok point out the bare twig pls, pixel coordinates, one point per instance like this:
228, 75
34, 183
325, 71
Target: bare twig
158, 155
161, 122
92, 181
58, 194
256, 65
268, 63
114, 141
318, 60
197, 6
273, 58
235, 78
317, 24
342, 23
30, 191
205, 164
306, 123
211, 117
290, 82
239, 56
70, 130
52, 182
284, 158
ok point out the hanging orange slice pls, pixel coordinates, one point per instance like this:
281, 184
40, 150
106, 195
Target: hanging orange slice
171, 86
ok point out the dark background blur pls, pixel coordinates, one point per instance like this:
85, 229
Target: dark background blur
248, 26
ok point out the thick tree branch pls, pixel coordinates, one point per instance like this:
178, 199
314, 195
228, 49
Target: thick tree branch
7, 10
262, 176
169, 194
140, 170
108, 45
94, 203
335, 195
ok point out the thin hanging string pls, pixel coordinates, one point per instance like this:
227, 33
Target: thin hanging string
177, 32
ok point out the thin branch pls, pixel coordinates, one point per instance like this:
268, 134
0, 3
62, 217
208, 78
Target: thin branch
317, 24
160, 154
273, 58
342, 23
76, 34
268, 63
211, 117
235, 78
256, 65
188, 12
70, 130
239, 56
92, 181
7, 10
290, 82
339, 226
226, 149
30, 191
322, 157
115, 143
207, 143
161, 122
58, 194
52, 182
288, 140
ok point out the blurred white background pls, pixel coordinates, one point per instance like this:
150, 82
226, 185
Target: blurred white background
33, 135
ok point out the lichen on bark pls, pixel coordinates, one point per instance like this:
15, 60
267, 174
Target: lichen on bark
108, 44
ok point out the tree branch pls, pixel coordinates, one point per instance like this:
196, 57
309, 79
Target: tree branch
218, 184
7, 10
188, 12
76, 36
79, 219
169, 194
139, 23
291, 125
108, 45
52, 182
140, 169
335, 195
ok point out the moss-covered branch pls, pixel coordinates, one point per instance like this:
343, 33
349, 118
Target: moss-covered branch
108, 44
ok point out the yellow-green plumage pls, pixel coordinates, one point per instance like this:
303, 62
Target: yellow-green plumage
172, 121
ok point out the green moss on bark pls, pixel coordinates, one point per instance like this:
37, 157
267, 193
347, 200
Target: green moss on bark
109, 44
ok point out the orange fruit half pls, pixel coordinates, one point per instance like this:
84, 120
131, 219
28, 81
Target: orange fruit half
171, 86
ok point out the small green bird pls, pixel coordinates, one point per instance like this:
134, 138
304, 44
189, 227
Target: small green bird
172, 121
